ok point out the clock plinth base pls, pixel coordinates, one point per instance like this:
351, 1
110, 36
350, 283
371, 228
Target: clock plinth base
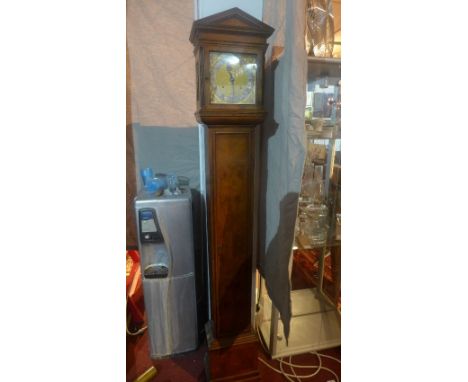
234, 359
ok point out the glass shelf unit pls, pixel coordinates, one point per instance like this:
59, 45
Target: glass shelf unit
316, 254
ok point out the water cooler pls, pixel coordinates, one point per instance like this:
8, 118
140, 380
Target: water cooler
165, 241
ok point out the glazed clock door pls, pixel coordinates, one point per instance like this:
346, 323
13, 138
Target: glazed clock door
233, 78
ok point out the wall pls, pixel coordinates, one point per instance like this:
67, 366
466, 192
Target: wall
209, 7
168, 150
162, 86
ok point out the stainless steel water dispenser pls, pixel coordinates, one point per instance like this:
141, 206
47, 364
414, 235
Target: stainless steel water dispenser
165, 241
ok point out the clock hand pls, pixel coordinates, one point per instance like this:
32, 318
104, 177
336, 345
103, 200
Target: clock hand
232, 83
231, 77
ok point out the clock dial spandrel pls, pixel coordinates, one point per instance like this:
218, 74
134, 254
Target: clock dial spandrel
233, 78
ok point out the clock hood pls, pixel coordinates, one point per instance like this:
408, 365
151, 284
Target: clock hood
233, 21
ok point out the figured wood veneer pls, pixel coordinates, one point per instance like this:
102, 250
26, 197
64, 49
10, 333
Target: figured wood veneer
231, 190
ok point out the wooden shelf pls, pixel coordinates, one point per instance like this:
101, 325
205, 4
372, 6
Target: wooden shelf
303, 242
322, 135
323, 60
314, 324
323, 66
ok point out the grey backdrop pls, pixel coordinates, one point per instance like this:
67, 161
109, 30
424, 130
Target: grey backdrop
167, 150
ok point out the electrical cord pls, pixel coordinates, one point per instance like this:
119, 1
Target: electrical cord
286, 374
305, 366
319, 368
292, 365
139, 331
294, 371
329, 356
289, 376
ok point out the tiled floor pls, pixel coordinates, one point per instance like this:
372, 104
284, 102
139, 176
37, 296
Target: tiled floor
190, 367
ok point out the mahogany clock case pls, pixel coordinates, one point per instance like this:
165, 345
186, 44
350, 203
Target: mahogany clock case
231, 134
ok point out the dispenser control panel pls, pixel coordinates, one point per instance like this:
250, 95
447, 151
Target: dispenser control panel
149, 227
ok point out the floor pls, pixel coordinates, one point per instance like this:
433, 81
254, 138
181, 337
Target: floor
190, 367
314, 324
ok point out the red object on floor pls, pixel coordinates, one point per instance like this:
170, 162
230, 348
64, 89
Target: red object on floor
135, 304
133, 262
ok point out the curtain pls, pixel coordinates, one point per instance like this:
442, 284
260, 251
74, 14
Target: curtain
162, 64
283, 147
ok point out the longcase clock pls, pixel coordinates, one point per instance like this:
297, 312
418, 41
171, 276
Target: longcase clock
229, 50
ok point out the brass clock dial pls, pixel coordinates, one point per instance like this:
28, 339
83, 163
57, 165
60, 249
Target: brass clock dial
233, 78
